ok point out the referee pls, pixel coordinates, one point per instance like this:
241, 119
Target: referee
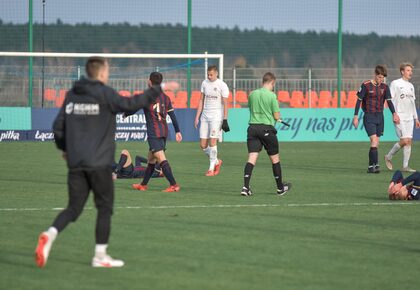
85, 131
372, 95
264, 112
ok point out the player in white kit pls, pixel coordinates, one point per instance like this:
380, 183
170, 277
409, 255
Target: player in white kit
403, 98
213, 109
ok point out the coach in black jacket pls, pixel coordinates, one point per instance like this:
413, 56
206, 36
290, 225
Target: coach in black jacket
85, 131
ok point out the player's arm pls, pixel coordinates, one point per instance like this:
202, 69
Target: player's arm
388, 98
178, 135
59, 129
413, 178
133, 104
199, 110
225, 98
361, 93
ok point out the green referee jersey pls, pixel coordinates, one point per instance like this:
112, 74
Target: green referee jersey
262, 104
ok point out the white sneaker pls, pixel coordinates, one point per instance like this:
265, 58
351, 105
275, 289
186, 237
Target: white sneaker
388, 162
106, 262
43, 248
408, 169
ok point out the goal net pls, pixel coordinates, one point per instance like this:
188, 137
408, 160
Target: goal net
41, 80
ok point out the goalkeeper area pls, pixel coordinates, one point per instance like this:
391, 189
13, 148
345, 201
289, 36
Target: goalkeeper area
336, 228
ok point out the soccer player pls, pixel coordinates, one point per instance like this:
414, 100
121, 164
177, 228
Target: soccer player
264, 112
404, 188
213, 109
403, 98
126, 169
372, 95
85, 131
157, 132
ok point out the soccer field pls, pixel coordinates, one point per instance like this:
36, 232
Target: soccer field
335, 229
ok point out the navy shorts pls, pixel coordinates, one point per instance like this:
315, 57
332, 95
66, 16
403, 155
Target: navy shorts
374, 123
157, 144
262, 135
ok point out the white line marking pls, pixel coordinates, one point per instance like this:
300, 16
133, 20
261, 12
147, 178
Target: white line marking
232, 206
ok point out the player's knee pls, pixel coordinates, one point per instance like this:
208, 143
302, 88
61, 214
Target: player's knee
125, 152
104, 211
74, 213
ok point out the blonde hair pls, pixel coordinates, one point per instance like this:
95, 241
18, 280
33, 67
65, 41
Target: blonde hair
404, 65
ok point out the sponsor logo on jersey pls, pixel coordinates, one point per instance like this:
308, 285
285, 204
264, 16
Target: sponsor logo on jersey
82, 109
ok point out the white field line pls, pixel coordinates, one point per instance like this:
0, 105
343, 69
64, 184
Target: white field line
351, 204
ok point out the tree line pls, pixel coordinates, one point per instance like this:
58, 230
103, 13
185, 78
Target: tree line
243, 48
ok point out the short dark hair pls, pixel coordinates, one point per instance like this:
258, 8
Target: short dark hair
93, 65
212, 67
380, 69
156, 78
268, 77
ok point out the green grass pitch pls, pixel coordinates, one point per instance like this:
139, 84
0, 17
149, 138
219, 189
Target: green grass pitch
334, 230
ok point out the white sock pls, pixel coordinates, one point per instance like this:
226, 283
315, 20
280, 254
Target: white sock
394, 150
406, 155
207, 151
100, 250
52, 232
213, 157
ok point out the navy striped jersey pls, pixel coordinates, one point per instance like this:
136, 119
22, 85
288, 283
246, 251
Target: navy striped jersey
373, 96
156, 114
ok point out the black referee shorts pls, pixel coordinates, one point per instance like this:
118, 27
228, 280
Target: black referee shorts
80, 182
374, 123
262, 135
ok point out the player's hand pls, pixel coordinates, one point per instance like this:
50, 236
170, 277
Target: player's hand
170, 86
225, 125
396, 118
178, 137
355, 122
196, 122
391, 187
417, 123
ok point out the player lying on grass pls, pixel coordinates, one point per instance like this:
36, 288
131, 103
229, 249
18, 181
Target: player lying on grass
126, 169
404, 188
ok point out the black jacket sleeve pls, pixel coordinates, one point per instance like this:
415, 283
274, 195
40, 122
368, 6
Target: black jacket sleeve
59, 129
130, 105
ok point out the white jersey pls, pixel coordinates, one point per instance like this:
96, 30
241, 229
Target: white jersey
403, 98
213, 102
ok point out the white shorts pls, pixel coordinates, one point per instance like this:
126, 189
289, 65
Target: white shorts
405, 129
210, 129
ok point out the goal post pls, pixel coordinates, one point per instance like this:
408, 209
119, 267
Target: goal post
146, 57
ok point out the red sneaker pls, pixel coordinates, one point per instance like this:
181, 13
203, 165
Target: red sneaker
139, 186
172, 188
217, 167
210, 173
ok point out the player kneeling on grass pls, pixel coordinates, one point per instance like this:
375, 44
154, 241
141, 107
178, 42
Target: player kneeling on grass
264, 112
157, 132
402, 188
85, 131
126, 169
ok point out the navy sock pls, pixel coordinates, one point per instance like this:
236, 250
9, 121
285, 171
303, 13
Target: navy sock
277, 175
373, 156
247, 174
167, 171
148, 173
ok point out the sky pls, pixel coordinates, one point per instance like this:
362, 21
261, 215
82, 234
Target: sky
384, 17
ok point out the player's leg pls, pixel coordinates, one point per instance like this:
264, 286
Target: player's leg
395, 148
167, 171
271, 145
254, 146
405, 142
204, 136
151, 162
215, 163
139, 160
78, 188
373, 154
103, 190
